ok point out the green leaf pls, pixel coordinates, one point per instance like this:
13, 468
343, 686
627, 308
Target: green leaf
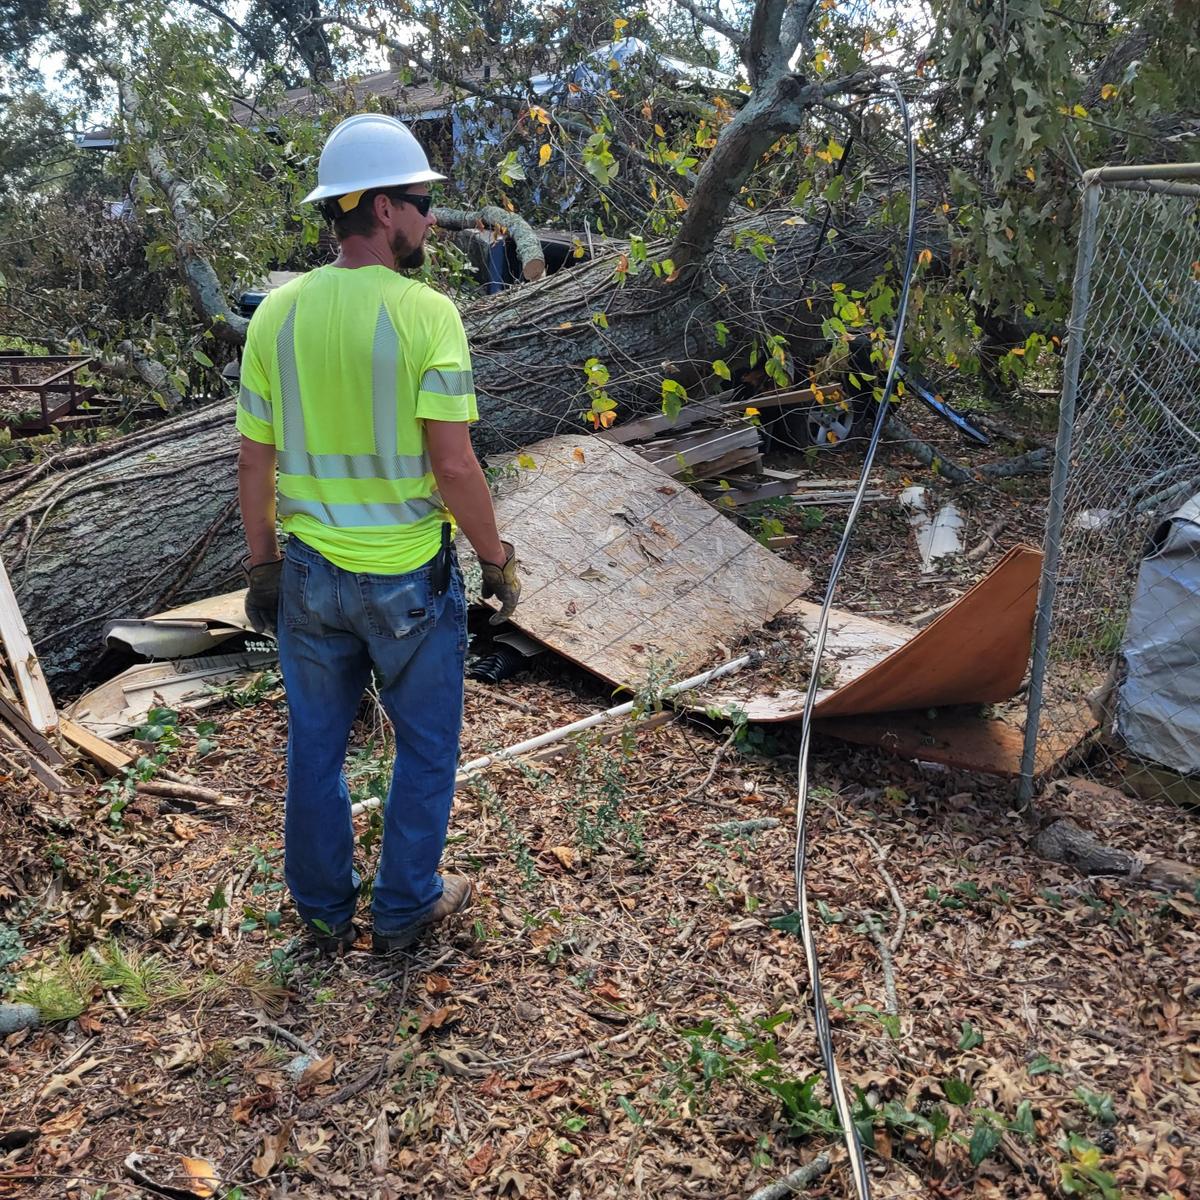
957, 1091
721, 368
525, 461
984, 1140
600, 319
788, 923
202, 358
1041, 1065
217, 900
970, 1037
722, 332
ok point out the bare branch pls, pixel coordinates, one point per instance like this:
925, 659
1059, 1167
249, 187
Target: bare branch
717, 24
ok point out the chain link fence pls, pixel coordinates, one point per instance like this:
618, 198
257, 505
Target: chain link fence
1115, 688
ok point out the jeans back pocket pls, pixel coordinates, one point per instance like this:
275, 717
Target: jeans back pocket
398, 606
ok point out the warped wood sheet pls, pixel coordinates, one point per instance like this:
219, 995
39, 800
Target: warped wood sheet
974, 653
623, 568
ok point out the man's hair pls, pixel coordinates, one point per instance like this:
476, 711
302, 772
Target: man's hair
360, 220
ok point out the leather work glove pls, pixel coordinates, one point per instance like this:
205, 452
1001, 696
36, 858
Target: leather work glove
501, 581
262, 594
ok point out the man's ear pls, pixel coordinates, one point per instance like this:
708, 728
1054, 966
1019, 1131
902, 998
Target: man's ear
383, 207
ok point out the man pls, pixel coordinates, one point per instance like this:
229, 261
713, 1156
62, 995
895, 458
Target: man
356, 385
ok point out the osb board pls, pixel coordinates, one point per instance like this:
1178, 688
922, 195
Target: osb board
623, 567
974, 653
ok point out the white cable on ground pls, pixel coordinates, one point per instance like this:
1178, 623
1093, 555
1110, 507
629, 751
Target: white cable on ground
820, 1011
557, 735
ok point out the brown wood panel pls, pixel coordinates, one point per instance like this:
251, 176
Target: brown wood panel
974, 653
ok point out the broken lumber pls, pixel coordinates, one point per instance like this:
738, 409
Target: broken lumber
16, 719
105, 754
24, 661
22, 759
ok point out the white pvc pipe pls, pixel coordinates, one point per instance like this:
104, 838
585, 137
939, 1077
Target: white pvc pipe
565, 731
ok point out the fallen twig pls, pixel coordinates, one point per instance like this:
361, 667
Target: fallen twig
796, 1182
988, 540
893, 891
191, 793
716, 762
885, 960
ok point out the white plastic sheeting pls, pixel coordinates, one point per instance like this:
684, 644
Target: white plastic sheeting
1158, 705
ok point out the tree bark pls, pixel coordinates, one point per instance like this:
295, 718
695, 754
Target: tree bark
148, 517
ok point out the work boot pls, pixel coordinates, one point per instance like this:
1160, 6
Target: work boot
456, 895
336, 941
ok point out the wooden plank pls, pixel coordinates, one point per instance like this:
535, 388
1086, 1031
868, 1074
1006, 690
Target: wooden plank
974, 653
45, 749
108, 755
644, 428
23, 660
704, 448
786, 399
623, 570
718, 468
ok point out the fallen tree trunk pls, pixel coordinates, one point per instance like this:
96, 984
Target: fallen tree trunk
119, 530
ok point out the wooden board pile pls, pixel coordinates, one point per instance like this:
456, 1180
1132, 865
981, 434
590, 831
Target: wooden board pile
715, 446
35, 740
28, 719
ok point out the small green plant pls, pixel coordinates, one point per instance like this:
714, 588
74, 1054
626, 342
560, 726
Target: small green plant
1099, 1107
1081, 1173
60, 990
969, 1037
12, 949
137, 980
517, 844
247, 695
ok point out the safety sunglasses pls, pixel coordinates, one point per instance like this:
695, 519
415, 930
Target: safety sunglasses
421, 203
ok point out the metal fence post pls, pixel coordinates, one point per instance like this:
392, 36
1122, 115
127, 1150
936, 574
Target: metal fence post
1058, 484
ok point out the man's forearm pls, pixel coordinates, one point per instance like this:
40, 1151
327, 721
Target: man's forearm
465, 493
256, 497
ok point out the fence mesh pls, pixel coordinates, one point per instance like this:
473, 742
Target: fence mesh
1120, 643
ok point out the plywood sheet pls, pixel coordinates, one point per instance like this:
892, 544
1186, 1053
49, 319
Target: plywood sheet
622, 567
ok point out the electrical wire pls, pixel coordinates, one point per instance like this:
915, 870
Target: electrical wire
820, 1011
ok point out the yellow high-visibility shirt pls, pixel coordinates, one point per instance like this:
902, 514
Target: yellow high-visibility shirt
339, 370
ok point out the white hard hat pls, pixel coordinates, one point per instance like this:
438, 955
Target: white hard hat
369, 150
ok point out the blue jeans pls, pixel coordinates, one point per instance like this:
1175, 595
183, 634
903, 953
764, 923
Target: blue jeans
334, 627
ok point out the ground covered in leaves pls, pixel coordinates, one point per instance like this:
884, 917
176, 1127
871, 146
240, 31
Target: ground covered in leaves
624, 1011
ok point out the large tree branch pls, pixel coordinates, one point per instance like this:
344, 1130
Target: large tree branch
763, 54
717, 24
793, 33
773, 109
202, 282
527, 242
